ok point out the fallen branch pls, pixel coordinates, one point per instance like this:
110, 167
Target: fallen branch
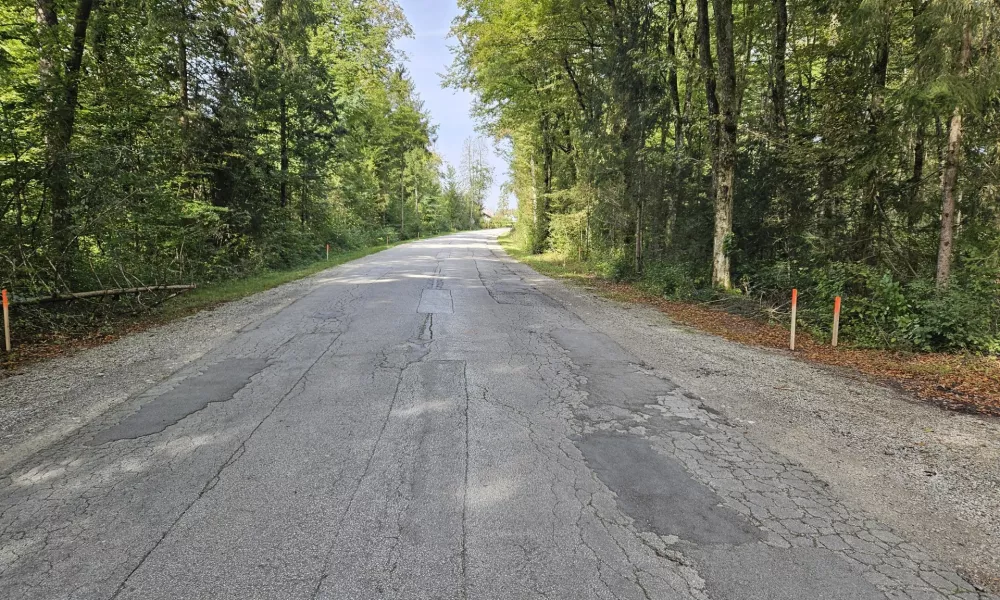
99, 293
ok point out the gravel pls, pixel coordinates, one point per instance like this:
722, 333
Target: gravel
47, 401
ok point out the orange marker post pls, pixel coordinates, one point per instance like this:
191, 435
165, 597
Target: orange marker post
795, 308
6, 321
328, 252
836, 320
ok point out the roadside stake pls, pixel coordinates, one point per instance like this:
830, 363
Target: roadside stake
795, 308
6, 321
328, 252
836, 319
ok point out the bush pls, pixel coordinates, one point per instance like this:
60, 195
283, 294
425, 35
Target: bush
960, 317
566, 232
879, 311
615, 264
669, 280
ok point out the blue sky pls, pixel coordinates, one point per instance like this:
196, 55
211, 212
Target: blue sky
428, 57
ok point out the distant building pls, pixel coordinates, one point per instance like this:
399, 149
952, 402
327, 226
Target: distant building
487, 213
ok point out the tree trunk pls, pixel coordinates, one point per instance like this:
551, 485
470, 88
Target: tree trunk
548, 154
185, 96
705, 54
779, 80
708, 72
60, 97
950, 175
916, 209
675, 99
725, 163
542, 203
50, 84
534, 200
283, 128
638, 237
870, 224
182, 62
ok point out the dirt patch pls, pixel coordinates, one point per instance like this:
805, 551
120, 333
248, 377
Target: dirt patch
964, 383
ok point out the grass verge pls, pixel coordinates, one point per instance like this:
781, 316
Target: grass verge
51, 345
234, 289
960, 382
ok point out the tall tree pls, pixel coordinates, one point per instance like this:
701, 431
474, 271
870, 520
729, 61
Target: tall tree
725, 161
60, 84
949, 176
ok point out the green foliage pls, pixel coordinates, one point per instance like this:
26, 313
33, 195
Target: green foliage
842, 133
669, 280
953, 319
567, 233
209, 140
614, 264
879, 311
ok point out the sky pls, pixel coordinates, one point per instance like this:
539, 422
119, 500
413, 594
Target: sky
428, 58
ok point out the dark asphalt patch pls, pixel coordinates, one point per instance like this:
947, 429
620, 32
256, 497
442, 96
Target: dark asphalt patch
589, 347
613, 377
218, 383
725, 547
660, 495
760, 572
520, 294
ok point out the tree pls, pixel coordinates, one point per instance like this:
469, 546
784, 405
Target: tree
949, 176
59, 81
196, 140
782, 144
477, 176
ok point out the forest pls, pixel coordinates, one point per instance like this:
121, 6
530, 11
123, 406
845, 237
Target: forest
147, 142
737, 149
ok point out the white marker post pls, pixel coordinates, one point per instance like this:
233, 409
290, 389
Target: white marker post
795, 308
836, 320
6, 321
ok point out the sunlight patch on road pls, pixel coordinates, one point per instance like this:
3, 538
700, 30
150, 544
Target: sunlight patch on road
494, 493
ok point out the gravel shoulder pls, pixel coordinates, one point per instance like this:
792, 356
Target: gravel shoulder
932, 474
47, 401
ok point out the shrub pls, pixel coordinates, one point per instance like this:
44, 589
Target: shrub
615, 264
670, 280
566, 232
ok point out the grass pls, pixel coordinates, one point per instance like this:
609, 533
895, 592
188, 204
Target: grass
961, 382
57, 344
234, 289
550, 263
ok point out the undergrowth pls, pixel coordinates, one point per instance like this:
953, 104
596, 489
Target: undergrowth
878, 311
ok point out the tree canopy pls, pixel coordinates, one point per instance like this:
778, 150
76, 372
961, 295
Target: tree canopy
844, 147
167, 141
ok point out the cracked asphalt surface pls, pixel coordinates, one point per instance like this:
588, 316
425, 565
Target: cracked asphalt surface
427, 422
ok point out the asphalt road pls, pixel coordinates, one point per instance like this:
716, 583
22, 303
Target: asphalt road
428, 424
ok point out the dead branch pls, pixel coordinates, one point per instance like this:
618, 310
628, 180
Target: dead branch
98, 293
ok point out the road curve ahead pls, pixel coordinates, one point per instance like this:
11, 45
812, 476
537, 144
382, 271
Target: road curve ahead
428, 424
